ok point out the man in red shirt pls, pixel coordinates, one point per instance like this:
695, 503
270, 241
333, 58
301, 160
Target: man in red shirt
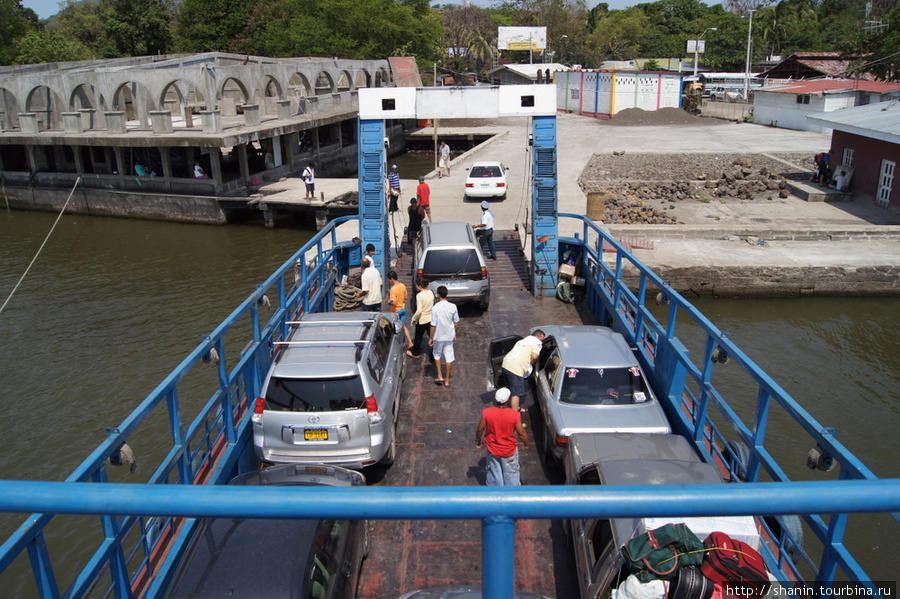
499, 427
423, 194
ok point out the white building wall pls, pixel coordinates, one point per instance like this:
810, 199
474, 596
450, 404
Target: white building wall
607, 93
780, 109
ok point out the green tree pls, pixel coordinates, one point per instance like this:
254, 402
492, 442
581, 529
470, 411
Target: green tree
140, 27
45, 45
212, 25
619, 35
15, 22
84, 22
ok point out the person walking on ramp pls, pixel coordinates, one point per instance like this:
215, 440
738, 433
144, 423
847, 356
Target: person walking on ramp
444, 326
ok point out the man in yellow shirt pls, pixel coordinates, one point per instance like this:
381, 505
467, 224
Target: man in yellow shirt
397, 298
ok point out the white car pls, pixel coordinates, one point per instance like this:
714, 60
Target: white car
486, 180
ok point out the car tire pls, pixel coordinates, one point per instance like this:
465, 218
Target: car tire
391, 454
503, 197
485, 304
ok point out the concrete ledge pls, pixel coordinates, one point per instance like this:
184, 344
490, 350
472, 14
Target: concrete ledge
732, 233
812, 192
778, 281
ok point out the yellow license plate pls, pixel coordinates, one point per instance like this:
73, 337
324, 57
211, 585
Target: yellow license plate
316, 434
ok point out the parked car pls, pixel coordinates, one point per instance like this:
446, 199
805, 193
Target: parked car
449, 254
316, 559
486, 180
723, 94
587, 380
635, 459
332, 394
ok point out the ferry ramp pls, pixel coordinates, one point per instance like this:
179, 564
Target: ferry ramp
436, 447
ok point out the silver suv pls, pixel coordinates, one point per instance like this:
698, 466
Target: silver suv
449, 254
332, 394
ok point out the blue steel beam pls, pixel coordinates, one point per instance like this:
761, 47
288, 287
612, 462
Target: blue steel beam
453, 503
544, 207
373, 219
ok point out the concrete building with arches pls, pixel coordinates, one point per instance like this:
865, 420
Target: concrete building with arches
133, 130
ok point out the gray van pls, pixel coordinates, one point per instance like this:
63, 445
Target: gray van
449, 254
332, 394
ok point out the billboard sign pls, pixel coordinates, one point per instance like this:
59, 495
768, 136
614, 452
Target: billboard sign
698, 46
522, 38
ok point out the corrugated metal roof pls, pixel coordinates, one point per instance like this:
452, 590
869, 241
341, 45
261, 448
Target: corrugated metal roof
405, 71
822, 86
876, 121
804, 65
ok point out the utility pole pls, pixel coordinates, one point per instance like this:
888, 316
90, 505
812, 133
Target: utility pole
747, 69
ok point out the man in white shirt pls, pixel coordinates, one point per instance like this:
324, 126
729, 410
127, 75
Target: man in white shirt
487, 229
371, 286
444, 326
309, 178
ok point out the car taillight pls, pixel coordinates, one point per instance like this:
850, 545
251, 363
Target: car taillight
501, 184
470, 185
419, 273
562, 441
371, 404
260, 405
484, 272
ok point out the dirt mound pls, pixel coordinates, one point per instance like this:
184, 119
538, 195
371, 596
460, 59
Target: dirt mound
663, 116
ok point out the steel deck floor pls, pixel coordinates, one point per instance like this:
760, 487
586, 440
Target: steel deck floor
436, 447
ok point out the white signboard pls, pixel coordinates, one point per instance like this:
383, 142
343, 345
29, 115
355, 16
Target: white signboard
522, 38
698, 46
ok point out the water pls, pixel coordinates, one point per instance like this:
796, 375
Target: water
112, 306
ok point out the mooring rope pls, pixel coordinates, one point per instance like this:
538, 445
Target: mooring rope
47, 238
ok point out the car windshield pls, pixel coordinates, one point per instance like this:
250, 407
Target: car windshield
315, 395
485, 171
451, 262
603, 386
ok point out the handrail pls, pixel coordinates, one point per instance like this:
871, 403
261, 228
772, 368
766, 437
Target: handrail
694, 399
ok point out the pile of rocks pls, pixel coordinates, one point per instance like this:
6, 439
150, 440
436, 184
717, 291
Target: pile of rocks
696, 178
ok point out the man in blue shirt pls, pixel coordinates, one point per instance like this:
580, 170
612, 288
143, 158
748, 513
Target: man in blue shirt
394, 181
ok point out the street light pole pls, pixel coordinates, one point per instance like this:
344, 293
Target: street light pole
697, 50
747, 69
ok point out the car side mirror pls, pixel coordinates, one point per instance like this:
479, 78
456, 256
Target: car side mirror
398, 327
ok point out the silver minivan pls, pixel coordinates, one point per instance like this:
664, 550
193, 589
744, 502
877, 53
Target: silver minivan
332, 394
449, 254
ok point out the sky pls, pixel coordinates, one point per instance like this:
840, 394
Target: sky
43, 8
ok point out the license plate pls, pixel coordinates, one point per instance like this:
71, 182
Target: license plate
315, 434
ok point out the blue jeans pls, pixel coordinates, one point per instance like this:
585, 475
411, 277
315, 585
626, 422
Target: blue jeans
487, 238
502, 472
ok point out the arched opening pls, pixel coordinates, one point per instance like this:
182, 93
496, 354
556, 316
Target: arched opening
183, 99
267, 95
382, 78
134, 100
232, 94
324, 84
9, 106
343, 82
363, 79
45, 103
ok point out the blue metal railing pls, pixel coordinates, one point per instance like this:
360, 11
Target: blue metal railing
694, 398
135, 554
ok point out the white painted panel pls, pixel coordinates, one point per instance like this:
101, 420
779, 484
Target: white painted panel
512, 100
375, 103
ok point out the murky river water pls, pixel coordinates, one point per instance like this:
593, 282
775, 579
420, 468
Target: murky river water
111, 306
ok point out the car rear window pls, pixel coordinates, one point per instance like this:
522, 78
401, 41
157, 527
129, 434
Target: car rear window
603, 386
315, 395
485, 171
455, 262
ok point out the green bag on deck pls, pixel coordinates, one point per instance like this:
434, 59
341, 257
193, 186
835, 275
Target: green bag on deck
659, 553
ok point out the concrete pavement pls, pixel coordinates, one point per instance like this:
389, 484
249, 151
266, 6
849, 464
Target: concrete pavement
846, 247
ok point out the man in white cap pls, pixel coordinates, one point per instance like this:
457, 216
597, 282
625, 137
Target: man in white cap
499, 427
487, 229
394, 181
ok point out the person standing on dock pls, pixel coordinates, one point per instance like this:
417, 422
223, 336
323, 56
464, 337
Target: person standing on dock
499, 427
487, 229
423, 195
444, 326
517, 365
309, 178
371, 286
444, 162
